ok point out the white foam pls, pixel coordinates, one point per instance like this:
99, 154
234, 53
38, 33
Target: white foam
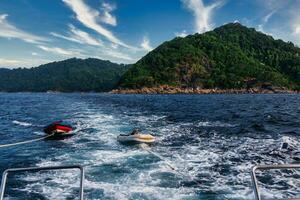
202, 160
214, 124
128, 189
21, 123
53, 185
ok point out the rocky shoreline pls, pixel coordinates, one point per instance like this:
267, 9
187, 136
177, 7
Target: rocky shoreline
164, 89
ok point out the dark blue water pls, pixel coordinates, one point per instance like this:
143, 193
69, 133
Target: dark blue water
213, 140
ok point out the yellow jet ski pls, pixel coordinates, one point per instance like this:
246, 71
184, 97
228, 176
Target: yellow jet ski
136, 137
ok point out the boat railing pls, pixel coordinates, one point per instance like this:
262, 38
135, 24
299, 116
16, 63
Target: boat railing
267, 167
35, 169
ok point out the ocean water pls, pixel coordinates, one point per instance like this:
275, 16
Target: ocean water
212, 141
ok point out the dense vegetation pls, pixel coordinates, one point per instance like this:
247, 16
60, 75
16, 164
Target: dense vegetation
66, 76
223, 58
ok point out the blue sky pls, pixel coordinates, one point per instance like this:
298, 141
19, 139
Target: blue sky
34, 32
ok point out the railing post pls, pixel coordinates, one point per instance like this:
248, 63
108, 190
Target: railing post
3, 182
255, 184
81, 182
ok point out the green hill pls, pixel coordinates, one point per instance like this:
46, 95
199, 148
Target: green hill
66, 76
227, 57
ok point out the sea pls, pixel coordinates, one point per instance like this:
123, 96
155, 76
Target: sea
206, 145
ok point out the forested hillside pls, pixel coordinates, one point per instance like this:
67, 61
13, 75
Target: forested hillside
65, 76
227, 57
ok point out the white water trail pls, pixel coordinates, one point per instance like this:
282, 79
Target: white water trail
21, 123
187, 176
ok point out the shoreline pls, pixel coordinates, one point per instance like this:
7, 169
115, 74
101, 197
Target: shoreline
178, 90
175, 90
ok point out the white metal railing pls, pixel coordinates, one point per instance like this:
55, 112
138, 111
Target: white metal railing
34, 169
253, 175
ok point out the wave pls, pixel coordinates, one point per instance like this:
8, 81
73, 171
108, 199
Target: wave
130, 190
21, 123
214, 124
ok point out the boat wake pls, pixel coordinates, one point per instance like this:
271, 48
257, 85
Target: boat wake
212, 156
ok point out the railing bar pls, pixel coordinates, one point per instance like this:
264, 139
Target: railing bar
43, 168
266, 167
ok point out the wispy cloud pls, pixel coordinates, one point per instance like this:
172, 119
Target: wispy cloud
146, 44
295, 24
107, 17
292, 30
8, 62
181, 34
273, 4
7, 30
79, 36
280, 18
59, 51
271, 8
13, 63
265, 20
202, 13
269, 15
119, 55
90, 18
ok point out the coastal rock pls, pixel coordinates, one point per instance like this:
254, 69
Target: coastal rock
165, 89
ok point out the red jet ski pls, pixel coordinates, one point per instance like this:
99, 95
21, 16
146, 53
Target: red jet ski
59, 129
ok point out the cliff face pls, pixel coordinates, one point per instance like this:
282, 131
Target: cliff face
229, 57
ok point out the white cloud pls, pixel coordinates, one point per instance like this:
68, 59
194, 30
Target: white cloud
268, 16
294, 21
7, 30
107, 17
261, 28
181, 34
265, 20
295, 26
60, 51
273, 4
90, 17
12, 63
79, 36
65, 37
117, 54
3, 17
114, 46
270, 8
202, 13
8, 62
297, 30
146, 44
34, 54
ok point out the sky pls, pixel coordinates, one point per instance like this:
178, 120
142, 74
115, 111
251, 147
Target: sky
34, 32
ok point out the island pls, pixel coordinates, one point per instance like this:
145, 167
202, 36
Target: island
230, 59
